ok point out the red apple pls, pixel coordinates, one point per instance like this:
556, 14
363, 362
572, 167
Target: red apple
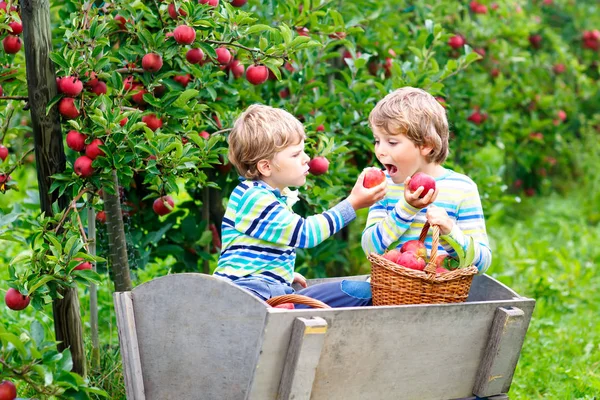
3, 152
415, 246
441, 270
83, 167
93, 150
236, 68
67, 108
152, 121
477, 118
71, 86
4, 178
174, 12
84, 265
392, 255
163, 205
421, 179
559, 69
12, 44
204, 135
15, 300
257, 74
123, 121
76, 140
223, 55
318, 165
439, 260
410, 260
99, 88
120, 20
1, 90
456, 42
152, 62
286, 306
561, 115
183, 80
8, 390
184, 34
238, 3
92, 79
535, 41
15, 27
194, 56
212, 3
373, 177
101, 217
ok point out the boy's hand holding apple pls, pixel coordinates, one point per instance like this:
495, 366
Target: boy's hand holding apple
419, 190
362, 196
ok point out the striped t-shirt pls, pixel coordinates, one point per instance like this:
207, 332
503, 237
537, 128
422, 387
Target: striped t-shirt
260, 233
393, 219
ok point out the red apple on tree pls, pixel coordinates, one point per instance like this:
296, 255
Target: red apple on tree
456, 41
212, 3
3, 152
71, 86
152, 62
223, 55
174, 13
152, 121
8, 390
236, 68
15, 300
15, 28
184, 34
12, 44
83, 167
373, 177
421, 179
101, 217
67, 108
318, 165
163, 205
83, 266
93, 150
76, 140
183, 80
194, 56
204, 135
238, 3
99, 88
257, 74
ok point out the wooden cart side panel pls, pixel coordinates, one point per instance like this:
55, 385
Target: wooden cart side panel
505, 342
132, 367
199, 337
302, 358
426, 352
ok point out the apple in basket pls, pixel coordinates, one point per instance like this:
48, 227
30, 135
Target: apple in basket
392, 255
411, 260
416, 247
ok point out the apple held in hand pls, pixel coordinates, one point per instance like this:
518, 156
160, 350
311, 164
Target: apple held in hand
421, 179
373, 177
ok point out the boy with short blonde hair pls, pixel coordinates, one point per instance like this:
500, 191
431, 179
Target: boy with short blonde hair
410, 129
260, 232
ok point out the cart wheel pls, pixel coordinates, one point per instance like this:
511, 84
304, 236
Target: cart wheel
296, 299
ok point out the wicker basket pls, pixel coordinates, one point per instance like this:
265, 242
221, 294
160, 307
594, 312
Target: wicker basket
393, 284
296, 299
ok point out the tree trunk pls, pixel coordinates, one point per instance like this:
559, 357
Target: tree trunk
117, 244
50, 156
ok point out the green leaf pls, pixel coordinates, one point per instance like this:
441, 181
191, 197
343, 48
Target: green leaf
286, 33
37, 332
13, 339
185, 97
66, 362
258, 28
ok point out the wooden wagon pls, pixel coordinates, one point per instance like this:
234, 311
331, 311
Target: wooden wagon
194, 336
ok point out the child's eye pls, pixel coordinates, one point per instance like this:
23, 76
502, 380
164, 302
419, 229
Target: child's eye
393, 143
376, 141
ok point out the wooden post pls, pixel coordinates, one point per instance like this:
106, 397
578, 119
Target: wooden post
91, 222
304, 351
49, 156
502, 352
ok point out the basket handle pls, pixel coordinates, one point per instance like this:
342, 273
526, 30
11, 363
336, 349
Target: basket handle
296, 299
435, 241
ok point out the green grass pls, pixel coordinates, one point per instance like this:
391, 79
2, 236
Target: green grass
548, 250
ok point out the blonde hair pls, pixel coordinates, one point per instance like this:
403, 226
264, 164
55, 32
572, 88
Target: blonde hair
417, 115
258, 134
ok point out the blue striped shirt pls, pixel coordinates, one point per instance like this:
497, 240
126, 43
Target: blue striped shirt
393, 219
260, 233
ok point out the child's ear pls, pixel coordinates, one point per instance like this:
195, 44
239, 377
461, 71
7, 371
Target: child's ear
426, 149
264, 167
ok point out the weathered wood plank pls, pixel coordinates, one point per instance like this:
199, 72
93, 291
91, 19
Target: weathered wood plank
132, 366
302, 358
502, 352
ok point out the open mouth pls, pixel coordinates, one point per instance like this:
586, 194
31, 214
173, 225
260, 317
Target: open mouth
391, 169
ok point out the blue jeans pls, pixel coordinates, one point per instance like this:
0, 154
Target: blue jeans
262, 288
340, 294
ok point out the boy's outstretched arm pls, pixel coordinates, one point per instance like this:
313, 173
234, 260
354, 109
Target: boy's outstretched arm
262, 216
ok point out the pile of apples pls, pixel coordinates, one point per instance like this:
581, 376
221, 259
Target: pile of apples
413, 255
